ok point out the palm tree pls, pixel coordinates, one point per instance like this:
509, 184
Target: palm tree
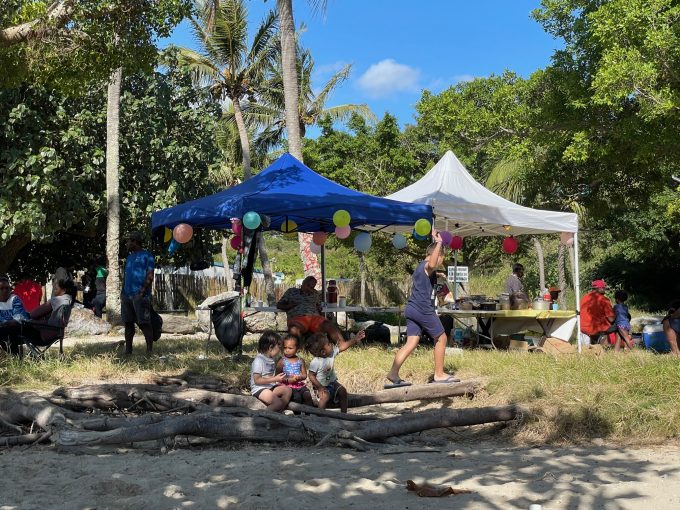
226, 65
267, 114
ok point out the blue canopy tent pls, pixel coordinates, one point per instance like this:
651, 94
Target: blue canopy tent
289, 190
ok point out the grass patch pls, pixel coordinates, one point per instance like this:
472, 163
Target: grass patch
631, 398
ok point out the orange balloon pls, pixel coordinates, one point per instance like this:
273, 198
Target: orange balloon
183, 233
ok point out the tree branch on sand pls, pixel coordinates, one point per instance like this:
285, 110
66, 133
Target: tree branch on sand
118, 414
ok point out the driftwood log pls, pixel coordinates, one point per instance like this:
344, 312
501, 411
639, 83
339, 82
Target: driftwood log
123, 414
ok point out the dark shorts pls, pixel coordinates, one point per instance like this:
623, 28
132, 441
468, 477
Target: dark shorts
674, 324
417, 322
136, 309
332, 390
299, 394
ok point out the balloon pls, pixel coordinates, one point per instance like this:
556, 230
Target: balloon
182, 233
235, 242
446, 237
319, 237
510, 245
423, 227
362, 242
167, 235
418, 237
288, 227
341, 218
236, 226
456, 243
251, 220
173, 246
343, 232
567, 238
315, 248
399, 241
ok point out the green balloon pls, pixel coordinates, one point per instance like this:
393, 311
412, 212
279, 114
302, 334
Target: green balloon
423, 227
341, 218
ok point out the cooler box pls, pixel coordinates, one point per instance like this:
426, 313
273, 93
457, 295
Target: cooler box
654, 338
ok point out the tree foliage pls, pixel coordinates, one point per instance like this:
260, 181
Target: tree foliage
52, 163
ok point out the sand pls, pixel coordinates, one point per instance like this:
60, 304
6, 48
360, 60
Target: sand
264, 476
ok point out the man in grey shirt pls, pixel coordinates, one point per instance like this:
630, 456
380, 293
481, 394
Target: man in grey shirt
514, 285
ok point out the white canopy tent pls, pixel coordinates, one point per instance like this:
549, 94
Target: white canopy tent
464, 207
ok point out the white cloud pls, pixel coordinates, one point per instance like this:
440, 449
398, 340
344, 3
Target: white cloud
387, 77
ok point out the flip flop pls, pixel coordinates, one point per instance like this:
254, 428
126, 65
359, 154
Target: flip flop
450, 379
399, 383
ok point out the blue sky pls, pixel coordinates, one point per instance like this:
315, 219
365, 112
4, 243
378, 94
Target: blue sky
397, 48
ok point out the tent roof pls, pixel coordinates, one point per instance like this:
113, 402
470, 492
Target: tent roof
463, 206
289, 190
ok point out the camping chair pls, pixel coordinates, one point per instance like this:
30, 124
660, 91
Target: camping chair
39, 348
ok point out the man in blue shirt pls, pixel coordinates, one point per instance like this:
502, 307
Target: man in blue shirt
135, 301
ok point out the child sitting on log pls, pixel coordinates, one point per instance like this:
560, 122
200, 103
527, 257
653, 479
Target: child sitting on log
321, 373
295, 371
264, 383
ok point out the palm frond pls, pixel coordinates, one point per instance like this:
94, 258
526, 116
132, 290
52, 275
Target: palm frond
506, 180
231, 34
201, 67
265, 41
330, 86
343, 112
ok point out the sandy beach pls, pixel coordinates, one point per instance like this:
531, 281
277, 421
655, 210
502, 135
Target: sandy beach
263, 476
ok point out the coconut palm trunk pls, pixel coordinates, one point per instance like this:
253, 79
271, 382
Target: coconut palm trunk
243, 137
291, 99
541, 262
113, 198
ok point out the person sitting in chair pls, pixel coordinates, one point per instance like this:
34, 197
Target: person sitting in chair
597, 314
303, 310
63, 294
12, 312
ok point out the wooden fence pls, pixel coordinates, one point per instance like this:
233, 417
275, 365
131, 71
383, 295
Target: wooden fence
179, 292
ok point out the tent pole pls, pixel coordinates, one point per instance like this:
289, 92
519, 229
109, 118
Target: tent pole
455, 276
577, 290
323, 272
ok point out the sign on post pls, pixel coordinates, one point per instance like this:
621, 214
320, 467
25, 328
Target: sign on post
457, 274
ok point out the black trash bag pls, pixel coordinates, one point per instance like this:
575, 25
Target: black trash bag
378, 333
226, 319
156, 324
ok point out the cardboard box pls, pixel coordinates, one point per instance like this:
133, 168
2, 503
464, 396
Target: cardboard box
557, 346
518, 345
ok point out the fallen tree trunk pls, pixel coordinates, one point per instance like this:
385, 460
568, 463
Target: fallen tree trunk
416, 392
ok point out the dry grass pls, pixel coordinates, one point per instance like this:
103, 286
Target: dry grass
630, 398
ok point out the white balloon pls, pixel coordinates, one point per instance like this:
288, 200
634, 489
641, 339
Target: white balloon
399, 241
362, 242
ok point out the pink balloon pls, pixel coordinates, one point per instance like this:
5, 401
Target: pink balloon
456, 243
182, 233
343, 232
567, 238
319, 238
235, 242
510, 245
236, 226
446, 237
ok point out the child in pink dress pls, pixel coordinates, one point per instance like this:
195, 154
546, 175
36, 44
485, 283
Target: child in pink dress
295, 371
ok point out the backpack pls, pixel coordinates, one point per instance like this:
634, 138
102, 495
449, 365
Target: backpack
156, 324
378, 333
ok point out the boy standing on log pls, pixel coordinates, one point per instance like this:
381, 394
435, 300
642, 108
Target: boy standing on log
421, 315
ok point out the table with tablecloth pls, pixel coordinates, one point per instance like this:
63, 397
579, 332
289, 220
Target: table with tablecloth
554, 323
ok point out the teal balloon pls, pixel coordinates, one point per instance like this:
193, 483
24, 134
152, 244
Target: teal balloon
251, 220
173, 246
362, 242
399, 241
418, 237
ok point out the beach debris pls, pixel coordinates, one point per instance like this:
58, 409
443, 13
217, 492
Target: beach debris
431, 490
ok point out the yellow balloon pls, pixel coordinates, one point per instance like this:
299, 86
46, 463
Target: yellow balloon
341, 218
167, 235
289, 227
423, 227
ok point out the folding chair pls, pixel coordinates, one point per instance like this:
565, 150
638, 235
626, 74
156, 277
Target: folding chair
39, 348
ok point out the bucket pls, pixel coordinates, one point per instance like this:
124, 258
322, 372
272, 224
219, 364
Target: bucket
458, 335
654, 338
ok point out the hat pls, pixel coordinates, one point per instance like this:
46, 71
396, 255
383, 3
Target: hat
135, 235
599, 284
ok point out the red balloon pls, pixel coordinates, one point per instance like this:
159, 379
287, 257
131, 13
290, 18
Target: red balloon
235, 242
182, 233
319, 238
510, 245
456, 243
